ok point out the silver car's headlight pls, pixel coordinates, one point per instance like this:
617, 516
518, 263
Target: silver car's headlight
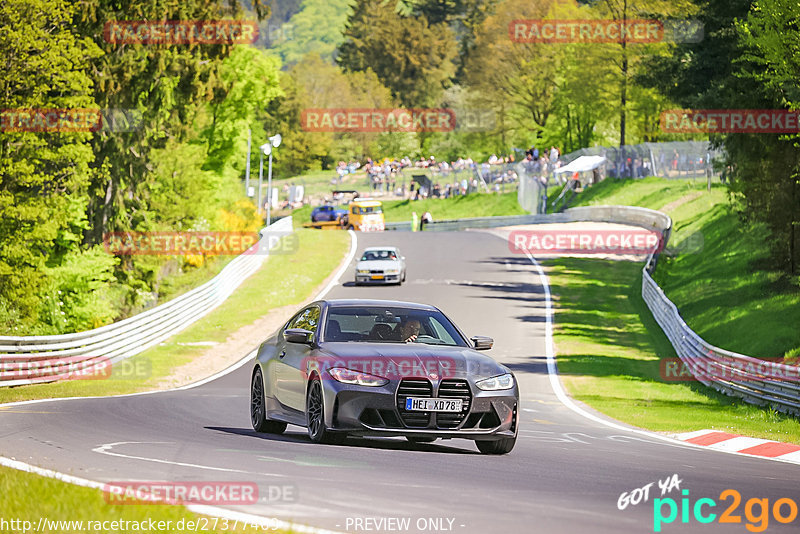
348, 376
496, 383
392, 271
362, 271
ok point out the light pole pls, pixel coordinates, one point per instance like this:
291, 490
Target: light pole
266, 148
247, 172
262, 150
274, 141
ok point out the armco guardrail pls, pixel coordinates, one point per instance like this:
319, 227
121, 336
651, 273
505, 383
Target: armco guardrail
756, 381
753, 380
35, 359
643, 217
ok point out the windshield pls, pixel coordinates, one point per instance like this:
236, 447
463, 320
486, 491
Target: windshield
390, 325
373, 255
365, 210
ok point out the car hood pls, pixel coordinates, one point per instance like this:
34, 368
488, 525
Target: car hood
378, 264
409, 360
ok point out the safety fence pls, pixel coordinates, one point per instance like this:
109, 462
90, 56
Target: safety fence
35, 359
754, 380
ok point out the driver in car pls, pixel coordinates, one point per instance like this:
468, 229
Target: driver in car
408, 331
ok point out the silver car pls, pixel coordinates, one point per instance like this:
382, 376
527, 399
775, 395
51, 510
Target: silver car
383, 368
381, 265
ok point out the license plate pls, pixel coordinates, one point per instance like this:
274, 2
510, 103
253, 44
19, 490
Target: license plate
377, 277
433, 405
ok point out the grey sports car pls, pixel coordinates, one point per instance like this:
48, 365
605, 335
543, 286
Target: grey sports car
382, 368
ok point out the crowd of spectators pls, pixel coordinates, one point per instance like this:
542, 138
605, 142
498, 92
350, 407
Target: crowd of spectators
448, 178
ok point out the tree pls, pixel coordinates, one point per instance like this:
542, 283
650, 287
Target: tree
515, 80
167, 83
317, 28
411, 57
626, 56
315, 84
43, 175
768, 165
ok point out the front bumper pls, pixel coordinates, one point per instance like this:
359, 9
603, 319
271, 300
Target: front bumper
374, 411
387, 279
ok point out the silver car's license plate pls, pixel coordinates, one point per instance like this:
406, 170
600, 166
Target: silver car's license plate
433, 405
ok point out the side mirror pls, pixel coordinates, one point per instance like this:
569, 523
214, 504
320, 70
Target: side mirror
482, 342
298, 335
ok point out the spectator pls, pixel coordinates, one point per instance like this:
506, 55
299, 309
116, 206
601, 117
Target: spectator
425, 219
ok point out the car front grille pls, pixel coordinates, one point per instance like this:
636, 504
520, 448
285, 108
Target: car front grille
376, 271
448, 389
413, 387
454, 389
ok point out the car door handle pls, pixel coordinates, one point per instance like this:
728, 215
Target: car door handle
282, 354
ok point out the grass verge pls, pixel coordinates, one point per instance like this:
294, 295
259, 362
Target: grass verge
282, 280
30, 497
609, 346
473, 205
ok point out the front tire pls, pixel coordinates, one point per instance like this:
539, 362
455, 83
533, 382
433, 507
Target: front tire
258, 410
315, 416
501, 446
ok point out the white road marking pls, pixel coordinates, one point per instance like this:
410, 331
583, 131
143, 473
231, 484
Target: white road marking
106, 449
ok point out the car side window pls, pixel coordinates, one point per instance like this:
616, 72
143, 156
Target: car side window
307, 319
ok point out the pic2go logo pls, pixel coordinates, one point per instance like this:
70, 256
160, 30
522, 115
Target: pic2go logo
756, 510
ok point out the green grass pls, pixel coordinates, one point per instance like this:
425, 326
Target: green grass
654, 193
609, 346
283, 279
474, 205
29, 497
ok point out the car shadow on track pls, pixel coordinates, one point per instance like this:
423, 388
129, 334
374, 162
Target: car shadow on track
367, 443
533, 367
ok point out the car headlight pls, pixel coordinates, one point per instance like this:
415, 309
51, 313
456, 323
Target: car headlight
348, 376
496, 383
362, 271
392, 271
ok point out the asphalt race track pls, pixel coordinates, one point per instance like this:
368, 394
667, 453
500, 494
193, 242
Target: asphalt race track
565, 474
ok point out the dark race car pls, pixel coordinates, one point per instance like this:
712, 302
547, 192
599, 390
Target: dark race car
327, 213
382, 368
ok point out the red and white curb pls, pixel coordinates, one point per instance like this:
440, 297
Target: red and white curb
723, 441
